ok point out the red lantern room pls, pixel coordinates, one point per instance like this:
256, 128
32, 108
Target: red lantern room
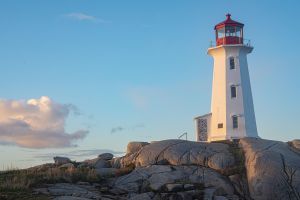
229, 32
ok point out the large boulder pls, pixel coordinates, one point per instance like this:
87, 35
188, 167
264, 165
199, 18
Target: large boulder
180, 152
159, 177
102, 164
143, 196
61, 160
134, 147
295, 144
116, 162
104, 160
106, 156
106, 172
67, 191
273, 169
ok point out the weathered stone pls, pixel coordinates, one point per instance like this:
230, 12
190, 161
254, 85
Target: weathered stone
143, 196
69, 191
90, 162
195, 194
106, 156
220, 161
102, 164
235, 197
220, 198
158, 180
181, 152
208, 178
188, 187
174, 187
175, 196
95, 163
41, 191
104, 189
273, 169
134, 147
177, 169
157, 176
296, 144
116, 162
70, 198
83, 183
96, 185
128, 160
185, 195
61, 160
209, 193
131, 182
106, 171
117, 191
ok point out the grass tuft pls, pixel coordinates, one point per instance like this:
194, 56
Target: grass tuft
17, 184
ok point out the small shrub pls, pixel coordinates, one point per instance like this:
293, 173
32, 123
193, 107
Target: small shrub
125, 170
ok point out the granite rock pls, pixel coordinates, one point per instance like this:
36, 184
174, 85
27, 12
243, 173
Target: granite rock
273, 169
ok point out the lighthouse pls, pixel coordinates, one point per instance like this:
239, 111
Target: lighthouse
232, 112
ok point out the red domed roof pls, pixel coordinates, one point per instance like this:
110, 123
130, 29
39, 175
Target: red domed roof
228, 22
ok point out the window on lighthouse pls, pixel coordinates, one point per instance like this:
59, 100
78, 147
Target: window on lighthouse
233, 91
221, 33
235, 122
231, 63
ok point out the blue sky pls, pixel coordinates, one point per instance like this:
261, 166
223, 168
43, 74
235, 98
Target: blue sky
138, 70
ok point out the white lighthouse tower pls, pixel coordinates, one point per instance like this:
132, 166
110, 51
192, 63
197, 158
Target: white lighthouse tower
232, 111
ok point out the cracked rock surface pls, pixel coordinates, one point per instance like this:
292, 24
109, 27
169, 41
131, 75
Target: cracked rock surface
159, 177
181, 152
67, 191
246, 169
273, 169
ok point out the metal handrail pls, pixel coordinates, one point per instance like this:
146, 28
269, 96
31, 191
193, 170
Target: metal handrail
246, 42
184, 134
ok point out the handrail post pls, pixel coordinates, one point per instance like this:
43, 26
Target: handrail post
184, 134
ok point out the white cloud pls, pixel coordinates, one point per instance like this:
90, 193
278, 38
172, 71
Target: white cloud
36, 123
85, 17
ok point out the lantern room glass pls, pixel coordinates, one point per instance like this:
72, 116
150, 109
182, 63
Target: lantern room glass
221, 33
228, 31
229, 35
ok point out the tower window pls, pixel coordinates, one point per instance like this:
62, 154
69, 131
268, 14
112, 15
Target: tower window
231, 63
233, 91
235, 122
220, 125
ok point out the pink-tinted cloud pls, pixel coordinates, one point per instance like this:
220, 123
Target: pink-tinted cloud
36, 123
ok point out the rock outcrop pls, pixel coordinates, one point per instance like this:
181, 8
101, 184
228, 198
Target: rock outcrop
295, 144
105, 156
61, 160
166, 178
133, 147
181, 152
273, 169
248, 168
